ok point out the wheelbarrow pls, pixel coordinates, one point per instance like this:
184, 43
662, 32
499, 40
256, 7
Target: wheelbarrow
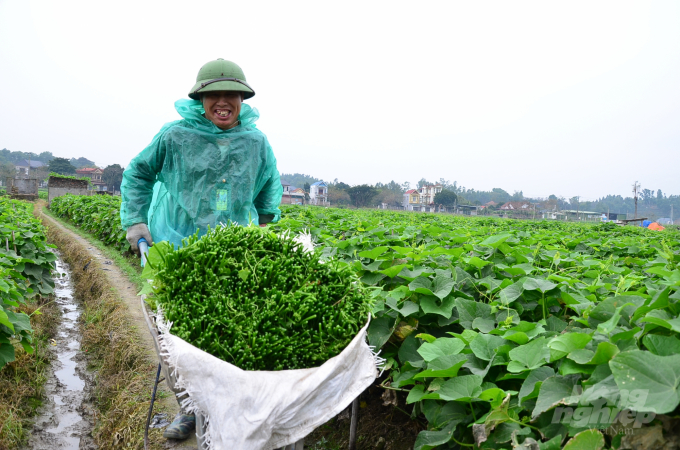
169, 378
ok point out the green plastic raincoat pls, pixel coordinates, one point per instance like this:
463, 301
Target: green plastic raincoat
194, 175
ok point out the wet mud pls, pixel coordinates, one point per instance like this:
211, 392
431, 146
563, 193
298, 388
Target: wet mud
65, 418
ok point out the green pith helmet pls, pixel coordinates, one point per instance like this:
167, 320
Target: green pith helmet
220, 75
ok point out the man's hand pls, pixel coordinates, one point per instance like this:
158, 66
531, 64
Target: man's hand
135, 233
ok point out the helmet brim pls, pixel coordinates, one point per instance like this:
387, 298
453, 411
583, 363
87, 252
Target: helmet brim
197, 90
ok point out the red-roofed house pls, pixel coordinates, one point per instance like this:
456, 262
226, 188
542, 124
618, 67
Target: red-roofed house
95, 175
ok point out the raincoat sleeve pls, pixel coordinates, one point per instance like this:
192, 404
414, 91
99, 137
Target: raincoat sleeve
267, 201
138, 181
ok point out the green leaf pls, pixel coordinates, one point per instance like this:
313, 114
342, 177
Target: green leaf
607, 327
495, 241
566, 343
662, 345
370, 278
510, 293
373, 253
405, 309
439, 414
441, 347
244, 274
529, 356
409, 352
6, 354
554, 391
463, 388
27, 346
586, 440
418, 393
484, 325
657, 377
446, 366
478, 262
538, 284
553, 444
4, 320
379, 331
568, 367
533, 382
426, 337
393, 271
428, 440
429, 305
469, 310
517, 337
441, 286
484, 346
604, 353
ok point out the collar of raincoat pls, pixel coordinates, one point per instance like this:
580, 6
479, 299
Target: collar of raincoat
192, 112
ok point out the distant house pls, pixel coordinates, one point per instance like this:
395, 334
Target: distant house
411, 200
421, 199
292, 195
427, 193
468, 210
517, 206
318, 193
664, 221
95, 176
23, 166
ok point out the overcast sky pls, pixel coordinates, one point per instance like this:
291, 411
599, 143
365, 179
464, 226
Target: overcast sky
566, 98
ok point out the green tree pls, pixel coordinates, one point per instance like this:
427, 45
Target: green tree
82, 162
113, 176
446, 198
424, 182
62, 166
337, 196
362, 195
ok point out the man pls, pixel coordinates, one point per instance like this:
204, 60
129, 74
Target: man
213, 166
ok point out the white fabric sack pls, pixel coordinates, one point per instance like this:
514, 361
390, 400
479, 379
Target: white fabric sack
250, 410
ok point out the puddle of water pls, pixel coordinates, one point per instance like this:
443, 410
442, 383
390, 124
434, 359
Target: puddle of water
61, 424
67, 374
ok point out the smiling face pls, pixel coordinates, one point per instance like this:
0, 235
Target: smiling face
222, 108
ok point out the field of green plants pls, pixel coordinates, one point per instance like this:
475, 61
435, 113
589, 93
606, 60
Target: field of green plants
26, 265
516, 333
96, 214
502, 333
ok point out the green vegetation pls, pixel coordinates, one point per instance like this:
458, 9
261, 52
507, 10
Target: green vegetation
69, 177
490, 325
25, 272
27, 318
126, 261
257, 300
96, 214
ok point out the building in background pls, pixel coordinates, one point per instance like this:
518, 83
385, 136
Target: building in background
292, 195
23, 166
95, 176
318, 193
411, 200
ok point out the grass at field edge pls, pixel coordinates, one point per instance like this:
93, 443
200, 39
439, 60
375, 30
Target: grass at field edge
130, 265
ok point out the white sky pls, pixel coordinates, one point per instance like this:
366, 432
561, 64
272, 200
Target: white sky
566, 98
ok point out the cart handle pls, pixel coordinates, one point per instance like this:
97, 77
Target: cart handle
143, 249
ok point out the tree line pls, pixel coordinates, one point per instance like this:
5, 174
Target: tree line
112, 174
652, 203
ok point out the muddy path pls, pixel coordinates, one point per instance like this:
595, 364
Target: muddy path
65, 419
78, 412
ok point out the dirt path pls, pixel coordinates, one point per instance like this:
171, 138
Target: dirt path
128, 293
